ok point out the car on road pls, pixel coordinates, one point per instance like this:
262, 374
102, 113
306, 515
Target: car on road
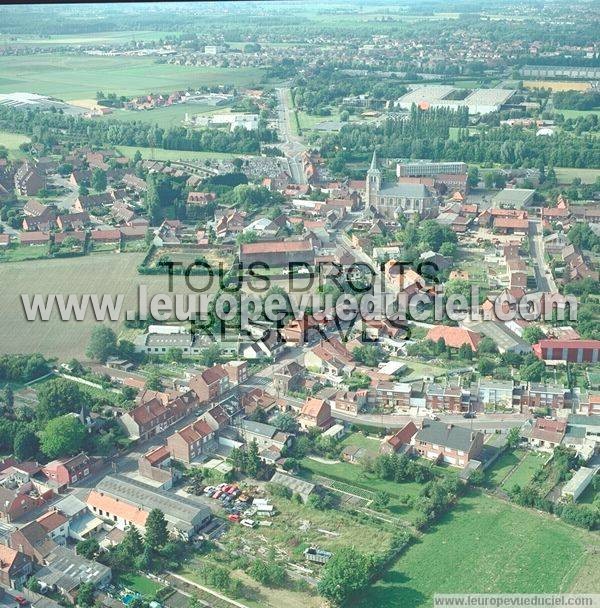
21, 600
469, 415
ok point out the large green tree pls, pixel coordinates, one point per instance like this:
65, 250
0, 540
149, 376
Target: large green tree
26, 444
103, 343
63, 436
58, 397
157, 534
346, 573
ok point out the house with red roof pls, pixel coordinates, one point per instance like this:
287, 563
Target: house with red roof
15, 567
68, 471
210, 384
547, 434
331, 357
188, 443
454, 337
400, 441
315, 414
154, 416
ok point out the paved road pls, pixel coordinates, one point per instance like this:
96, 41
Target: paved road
543, 276
292, 145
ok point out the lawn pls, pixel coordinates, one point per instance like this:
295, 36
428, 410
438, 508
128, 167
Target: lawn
139, 584
506, 462
71, 77
524, 473
361, 441
12, 141
354, 475
485, 545
160, 154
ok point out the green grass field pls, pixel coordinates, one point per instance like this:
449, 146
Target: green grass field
160, 154
577, 113
72, 77
485, 545
507, 461
524, 473
12, 141
140, 584
566, 175
354, 475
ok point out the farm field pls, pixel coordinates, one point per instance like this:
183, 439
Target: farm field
160, 154
94, 38
97, 274
485, 545
75, 77
12, 141
524, 473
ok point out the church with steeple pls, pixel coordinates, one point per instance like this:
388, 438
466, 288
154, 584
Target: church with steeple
396, 199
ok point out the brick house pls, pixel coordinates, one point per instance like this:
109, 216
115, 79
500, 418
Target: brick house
393, 396
454, 337
400, 441
68, 471
547, 434
237, 371
14, 504
33, 540
351, 402
541, 396
156, 415
189, 442
454, 445
315, 413
216, 417
210, 384
444, 398
15, 567
288, 377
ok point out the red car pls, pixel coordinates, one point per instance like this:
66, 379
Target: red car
233, 517
21, 600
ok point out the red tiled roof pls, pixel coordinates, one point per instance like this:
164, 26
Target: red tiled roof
52, 520
312, 407
117, 507
509, 222
275, 247
454, 337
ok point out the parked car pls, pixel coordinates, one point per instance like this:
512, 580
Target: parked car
233, 517
469, 415
217, 494
21, 600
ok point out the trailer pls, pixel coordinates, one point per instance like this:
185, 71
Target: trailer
312, 554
